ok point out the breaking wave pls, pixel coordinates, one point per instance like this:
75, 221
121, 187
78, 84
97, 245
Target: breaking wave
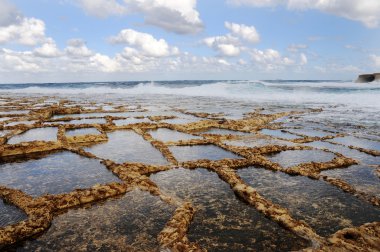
290, 92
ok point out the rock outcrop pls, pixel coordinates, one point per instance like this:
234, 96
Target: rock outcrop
364, 78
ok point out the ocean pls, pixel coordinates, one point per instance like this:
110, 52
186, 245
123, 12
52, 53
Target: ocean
147, 154
276, 91
346, 105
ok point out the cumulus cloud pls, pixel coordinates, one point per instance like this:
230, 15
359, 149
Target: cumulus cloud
130, 61
227, 45
25, 31
104, 63
145, 43
102, 8
187, 62
272, 60
226, 39
172, 15
18, 61
364, 11
256, 3
229, 49
245, 32
18, 29
48, 49
8, 13
230, 45
77, 48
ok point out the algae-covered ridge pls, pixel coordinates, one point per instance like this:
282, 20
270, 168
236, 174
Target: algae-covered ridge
94, 124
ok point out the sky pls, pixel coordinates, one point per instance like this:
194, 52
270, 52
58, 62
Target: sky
127, 40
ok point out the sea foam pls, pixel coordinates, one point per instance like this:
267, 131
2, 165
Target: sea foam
297, 92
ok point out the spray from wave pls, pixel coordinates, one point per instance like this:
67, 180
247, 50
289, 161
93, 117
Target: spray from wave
297, 92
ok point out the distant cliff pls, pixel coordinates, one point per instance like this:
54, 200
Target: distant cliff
363, 78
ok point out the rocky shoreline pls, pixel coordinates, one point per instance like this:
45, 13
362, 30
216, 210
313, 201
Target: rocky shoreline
65, 116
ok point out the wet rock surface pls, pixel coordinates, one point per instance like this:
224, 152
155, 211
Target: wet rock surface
324, 207
81, 174
295, 157
123, 146
131, 222
222, 222
39, 134
56, 173
211, 152
10, 214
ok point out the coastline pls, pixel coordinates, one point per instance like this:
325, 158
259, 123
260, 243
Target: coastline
246, 140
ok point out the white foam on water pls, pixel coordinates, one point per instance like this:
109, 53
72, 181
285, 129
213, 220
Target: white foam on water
330, 93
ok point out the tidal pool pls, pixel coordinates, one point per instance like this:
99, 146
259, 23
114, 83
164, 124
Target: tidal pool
97, 114
218, 131
310, 132
14, 112
40, 134
19, 123
196, 152
351, 153
129, 223
10, 214
222, 222
131, 121
295, 157
82, 131
181, 120
86, 121
2, 119
258, 141
56, 173
4, 132
358, 142
362, 177
166, 135
127, 146
279, 134
323, 206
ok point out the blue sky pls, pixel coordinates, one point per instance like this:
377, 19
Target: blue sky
121, 40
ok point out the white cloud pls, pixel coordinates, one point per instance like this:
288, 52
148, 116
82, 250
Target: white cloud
226, 39
102, 8
8, 13
18, 61
230, 45
104, 63
172, 15
227, 45
375, 60
48, 49
256, 3
145, 43
25, 31
77, 48
228, 50
272, 60
364, 11
269, 55
190, 63
245, 32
